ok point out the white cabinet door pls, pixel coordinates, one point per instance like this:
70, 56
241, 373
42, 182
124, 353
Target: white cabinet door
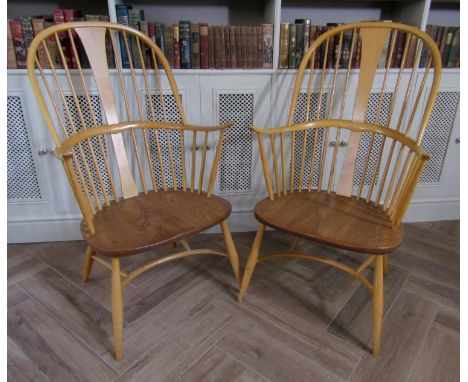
38, 191
244, 99
437, 196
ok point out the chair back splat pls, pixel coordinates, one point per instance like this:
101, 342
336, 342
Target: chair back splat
122, 131
355, 132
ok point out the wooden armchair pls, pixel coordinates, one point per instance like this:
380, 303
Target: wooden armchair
138, 173
344, 168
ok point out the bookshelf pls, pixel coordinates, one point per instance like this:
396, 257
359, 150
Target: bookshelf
251, 96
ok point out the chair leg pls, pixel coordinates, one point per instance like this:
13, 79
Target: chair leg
232, 251
88, 263
385, 264
117, 308
251, 262
377, 304
294, 241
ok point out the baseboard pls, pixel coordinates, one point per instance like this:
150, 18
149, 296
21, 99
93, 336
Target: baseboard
68, 228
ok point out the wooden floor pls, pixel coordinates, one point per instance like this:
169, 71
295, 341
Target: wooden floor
300, 321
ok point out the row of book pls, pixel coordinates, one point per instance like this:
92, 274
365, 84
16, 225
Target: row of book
21, 32
188, 45
295, 39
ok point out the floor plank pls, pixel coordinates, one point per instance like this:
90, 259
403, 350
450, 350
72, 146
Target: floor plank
403, 335
15, 296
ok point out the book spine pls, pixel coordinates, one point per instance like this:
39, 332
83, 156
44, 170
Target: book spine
28, 33
184, 38
454, 49
239, 53
227, 47
443, 38
357, 56
259, 45
233, 47
331, 47
411, 52
306, 35
11, 56
59, 18
397, 55
161, 40
71, 15
267, 46
211, 47
135, 24
152, 36
250, 48
169, 44
204, 46
176, 45
195, 48
448, 44
109, 49
18, 43
93, 18
144, 48
284, 44
124, 19
299, 43
38, 27
383, 56
222, 48
292, 47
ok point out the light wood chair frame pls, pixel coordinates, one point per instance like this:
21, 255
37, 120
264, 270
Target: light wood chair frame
396, 187
91, 194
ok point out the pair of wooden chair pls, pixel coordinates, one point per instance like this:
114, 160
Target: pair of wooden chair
140, 172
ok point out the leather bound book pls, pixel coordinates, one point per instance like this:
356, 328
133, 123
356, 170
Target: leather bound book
211, 47
222, 48
176, 45
18, 43
227, 47
195, 48
11, 56
184, 38
239, 53
233, 46
244, 36
259, 46
284, 43
38, 27
292, 47
123, 18
204, 50
70, 16
267, 46
217, 47
169, 44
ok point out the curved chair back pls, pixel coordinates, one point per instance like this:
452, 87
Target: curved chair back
362, 98
119, 131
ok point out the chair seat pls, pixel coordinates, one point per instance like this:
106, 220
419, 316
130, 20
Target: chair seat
152, 220
332, 219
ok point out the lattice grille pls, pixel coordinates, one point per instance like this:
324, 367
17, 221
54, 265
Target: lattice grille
92, 149
236, 159
366, 138
437, 134
315, 135
22, 180
173, 115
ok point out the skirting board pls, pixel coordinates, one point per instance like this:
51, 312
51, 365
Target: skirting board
239, 221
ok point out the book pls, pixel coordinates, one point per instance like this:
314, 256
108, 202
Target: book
398, 50
204, 46
52, 46
292, 47
11, 56
314, 30
227, 47
38, 27
306, 35
135, 16
332, 46
454, 52
357, 55
160, 38
59, 18
28, 33
243, 39
222, 48
211, 47
233, 46
195, 48
259, 46
184, 40
123, 18
71, 15
441, 42
411, 52
145, 49
267, 46
239, 57
448, 44
346, 48
176, 45
284, 42
169, 44
18, 43
299, 41
251, 60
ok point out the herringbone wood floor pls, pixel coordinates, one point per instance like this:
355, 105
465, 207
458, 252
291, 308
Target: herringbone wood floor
300, 321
